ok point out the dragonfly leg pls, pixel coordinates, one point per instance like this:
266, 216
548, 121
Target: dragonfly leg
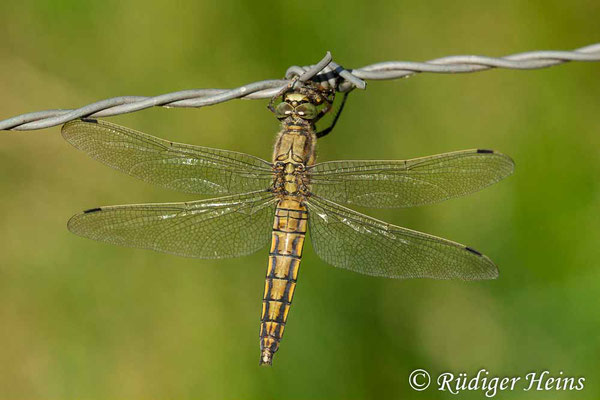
325, 131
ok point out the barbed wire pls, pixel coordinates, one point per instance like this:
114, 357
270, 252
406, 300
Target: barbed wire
326, 72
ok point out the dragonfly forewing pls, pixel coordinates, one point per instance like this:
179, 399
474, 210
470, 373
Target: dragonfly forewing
408, 183
216, 228
353, 241
182, 167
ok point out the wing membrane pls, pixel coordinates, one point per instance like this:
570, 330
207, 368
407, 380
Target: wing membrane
408, 183
183, 167
350, 240
215, 228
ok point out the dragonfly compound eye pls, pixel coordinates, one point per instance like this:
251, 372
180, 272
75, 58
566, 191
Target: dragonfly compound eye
283, 110
307, 111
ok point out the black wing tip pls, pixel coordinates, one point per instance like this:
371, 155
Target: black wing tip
488, 151
507, 158
472, 250
92, 210
90, 120
493, 272
86, 120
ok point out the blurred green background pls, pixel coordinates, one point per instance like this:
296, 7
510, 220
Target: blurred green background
81, 319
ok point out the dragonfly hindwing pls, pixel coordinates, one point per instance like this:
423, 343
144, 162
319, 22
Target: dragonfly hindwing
216, 228
350, 240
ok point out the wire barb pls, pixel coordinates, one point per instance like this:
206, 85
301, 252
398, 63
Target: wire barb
326, 72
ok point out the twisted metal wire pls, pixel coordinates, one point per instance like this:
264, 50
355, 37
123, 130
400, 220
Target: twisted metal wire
327, 72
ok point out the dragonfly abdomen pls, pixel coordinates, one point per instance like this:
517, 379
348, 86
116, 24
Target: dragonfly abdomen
287, 242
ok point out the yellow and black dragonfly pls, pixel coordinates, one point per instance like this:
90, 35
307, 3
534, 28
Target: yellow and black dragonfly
260, 202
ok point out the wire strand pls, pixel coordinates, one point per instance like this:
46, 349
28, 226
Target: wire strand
326, 72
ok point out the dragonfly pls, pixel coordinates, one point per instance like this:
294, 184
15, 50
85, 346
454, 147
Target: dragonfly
259, 202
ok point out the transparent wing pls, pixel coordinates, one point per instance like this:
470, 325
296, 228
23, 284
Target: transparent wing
183, 167
215, 228
408, 183
350, 240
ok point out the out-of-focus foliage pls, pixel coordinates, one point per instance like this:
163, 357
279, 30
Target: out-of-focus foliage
81, 319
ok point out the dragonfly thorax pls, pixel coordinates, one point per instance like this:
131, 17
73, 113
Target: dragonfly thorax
295, 143
290, 179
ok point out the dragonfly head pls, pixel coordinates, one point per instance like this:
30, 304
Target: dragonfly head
297, 106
